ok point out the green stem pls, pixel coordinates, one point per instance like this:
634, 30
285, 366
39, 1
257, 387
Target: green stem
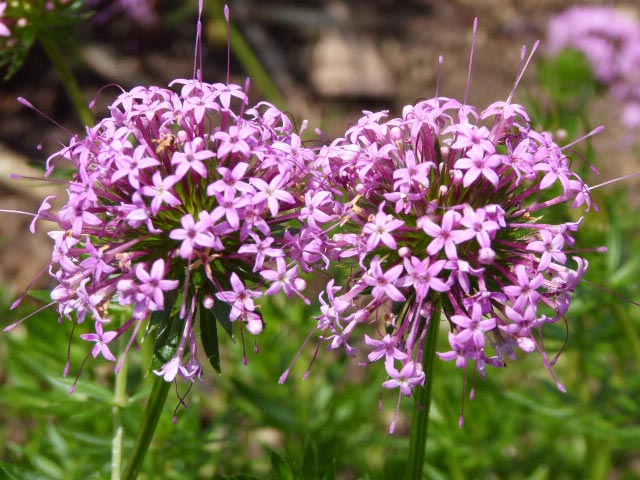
68, 80
119, 400
630, 330
420, 421
149, 424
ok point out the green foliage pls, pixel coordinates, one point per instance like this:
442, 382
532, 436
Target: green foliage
31, 20
568, 86
244, 425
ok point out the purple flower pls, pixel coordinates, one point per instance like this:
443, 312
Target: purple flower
473, 328
444, 236
283, 278
477, 163
525, 289
272, 192
609, 38
383, 283
550, 246
240, 298
422, 276
102, 340
177, 198
131, 165
261, 248
4, 30
405, 379
194, 235
160, 190
387, 348
380, 228
443, 210
191, 159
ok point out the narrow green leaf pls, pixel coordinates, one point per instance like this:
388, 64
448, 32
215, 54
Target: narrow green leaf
167, 326
85, 389
281, 469
310, 461
11, 472
209, 336
333, 473
222, 312
58, 443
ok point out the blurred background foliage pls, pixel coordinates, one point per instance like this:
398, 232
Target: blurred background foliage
243, 424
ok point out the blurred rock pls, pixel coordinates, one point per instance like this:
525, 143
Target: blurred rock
349, 67
22, 255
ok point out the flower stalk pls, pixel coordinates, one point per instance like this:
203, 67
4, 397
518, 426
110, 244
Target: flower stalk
149, 423
422, 405
119, 400
68, 80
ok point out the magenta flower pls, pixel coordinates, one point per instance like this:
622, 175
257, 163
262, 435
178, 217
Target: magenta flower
284, 278
477, 163
379, 230
240, 298
405, 379
385, 348
102, 340
186, 206
443, 213
422, 276
272, 192
383, 283
191, 159
152, 284
4, 30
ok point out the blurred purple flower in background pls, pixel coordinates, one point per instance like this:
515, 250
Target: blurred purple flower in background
4, 30
143, 12
610, 40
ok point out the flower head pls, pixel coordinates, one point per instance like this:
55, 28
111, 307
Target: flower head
609, 38
446, 211
193, 207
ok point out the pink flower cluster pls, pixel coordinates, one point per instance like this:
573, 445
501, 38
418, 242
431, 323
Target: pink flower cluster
610, 40
187, 204
142, 12
443, 210
192, 196
4, 29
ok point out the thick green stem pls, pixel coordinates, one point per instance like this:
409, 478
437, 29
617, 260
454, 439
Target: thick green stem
148, 428
68, 80
119, 400
420, 421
